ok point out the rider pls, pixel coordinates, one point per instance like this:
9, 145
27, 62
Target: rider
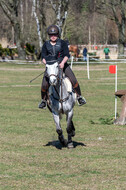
58, 48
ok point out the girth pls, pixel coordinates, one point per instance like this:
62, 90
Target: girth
61, 100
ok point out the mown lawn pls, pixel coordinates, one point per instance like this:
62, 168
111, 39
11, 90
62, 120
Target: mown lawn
31, 156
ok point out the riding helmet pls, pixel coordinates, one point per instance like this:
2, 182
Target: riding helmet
53, 29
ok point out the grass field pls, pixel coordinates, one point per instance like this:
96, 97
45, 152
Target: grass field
31, 157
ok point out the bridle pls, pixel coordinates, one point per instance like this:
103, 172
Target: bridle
53, 75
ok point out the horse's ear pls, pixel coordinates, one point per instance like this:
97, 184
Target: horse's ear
57, 64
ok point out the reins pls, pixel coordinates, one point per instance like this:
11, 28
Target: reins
61, 99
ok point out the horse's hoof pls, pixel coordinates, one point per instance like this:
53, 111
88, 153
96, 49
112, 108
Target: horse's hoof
63, 141
70, 145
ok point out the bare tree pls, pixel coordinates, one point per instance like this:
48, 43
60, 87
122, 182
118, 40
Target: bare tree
115, 10
29, 19
37, 22
22, 18
53, 12
61, 9
10, 8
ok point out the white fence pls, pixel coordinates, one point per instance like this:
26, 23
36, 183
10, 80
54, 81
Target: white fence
92, 60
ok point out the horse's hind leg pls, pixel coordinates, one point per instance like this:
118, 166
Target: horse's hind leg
59, 130
70, 129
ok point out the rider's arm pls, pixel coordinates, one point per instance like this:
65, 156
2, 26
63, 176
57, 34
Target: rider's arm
44, 53
63, 62
65, 53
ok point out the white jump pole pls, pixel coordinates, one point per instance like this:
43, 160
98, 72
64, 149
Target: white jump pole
71, 61
88, 66
115, 91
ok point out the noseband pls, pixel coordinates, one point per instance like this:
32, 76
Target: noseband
53, 75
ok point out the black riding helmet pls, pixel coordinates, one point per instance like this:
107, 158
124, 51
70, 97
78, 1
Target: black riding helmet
53, 29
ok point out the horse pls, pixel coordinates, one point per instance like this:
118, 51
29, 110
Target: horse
60, 102
75, 50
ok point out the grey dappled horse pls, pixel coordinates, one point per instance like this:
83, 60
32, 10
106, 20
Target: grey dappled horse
61, 102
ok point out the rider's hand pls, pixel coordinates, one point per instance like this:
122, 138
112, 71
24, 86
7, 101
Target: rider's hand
61, 65
63, 62
44, 61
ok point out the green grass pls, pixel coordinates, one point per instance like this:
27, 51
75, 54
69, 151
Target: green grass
31, 156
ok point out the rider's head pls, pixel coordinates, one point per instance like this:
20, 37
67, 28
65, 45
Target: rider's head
53, 32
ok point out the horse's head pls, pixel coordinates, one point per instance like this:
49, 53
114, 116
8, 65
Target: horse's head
52, 71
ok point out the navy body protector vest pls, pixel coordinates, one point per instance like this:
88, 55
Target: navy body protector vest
54, 50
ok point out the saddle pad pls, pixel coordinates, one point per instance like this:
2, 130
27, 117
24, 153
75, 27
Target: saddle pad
68, 84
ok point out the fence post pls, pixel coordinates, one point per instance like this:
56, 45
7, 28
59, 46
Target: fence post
88, 66
115, 91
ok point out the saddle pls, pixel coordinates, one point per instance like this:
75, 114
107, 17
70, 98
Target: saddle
68, 86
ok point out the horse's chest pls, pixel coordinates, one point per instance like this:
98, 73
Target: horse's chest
60, 106
61, 103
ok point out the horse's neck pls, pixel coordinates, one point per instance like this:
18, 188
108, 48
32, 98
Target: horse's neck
60, 89
63, 90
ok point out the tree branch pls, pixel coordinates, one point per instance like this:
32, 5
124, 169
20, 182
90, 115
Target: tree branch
7, 10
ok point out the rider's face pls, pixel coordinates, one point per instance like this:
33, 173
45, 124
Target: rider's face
53, 37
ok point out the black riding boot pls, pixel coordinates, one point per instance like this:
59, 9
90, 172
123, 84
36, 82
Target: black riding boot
43, 103
81, 100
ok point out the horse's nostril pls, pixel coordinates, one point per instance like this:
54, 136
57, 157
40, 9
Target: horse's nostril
53, 81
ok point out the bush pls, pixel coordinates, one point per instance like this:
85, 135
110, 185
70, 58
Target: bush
7, 51
92, 54
30, 48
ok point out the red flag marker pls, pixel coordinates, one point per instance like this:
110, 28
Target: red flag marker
112, 69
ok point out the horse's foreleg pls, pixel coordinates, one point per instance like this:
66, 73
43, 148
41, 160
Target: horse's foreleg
70, 125
59, 130
57, 123
70, 129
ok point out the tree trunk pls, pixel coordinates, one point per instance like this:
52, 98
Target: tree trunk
38, 24
11, 11
18, 41
120, 50
22, 16
121, 43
